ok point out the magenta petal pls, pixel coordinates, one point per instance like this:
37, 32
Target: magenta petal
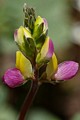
50, 49
13, 78
15, 33
66, 70
45, 22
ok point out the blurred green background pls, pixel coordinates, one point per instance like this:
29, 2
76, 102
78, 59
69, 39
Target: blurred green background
59, 102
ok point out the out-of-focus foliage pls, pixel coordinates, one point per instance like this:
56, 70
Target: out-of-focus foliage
40, 114
6, 111
76, 116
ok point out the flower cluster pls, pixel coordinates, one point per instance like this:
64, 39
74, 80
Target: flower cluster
36, 59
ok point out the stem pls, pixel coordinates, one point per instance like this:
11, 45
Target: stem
29, 99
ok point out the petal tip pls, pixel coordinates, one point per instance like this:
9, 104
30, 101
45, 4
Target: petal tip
15, 35
50, 49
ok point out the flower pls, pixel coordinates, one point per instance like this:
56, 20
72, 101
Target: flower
24, 65
40, 31
40, 27
36, 59
17, 76
13, 77
64, 71
46, 51
25, 41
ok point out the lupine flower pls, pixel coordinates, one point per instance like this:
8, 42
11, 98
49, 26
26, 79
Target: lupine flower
36, 54
36, 59
16, 76
24, 65
40, 27
64, 71
25, 41
46, 51
13, 77
40, 31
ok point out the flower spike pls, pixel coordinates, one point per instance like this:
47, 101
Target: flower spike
36, 59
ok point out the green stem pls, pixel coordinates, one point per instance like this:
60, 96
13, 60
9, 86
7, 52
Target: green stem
29, 99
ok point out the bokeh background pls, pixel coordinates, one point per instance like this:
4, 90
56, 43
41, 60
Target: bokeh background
52, 102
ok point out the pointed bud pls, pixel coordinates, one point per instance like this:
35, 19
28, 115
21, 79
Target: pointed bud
25, 41
30, 17
24, 65
51, 67
46, 51
13, 78
40, 31
66, 70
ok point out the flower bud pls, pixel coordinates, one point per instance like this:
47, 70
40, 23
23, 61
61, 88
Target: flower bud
24, 65
30, 17
25, 41
46, 51
66, 70
40, 31
52, 66
13, 78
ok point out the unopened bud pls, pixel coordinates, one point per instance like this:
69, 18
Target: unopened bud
46, 51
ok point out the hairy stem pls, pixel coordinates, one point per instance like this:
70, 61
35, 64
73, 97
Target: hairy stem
29, 99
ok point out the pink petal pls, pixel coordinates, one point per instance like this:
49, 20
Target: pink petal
13, 78
15, 34
66, 70
50, 49
45, 22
